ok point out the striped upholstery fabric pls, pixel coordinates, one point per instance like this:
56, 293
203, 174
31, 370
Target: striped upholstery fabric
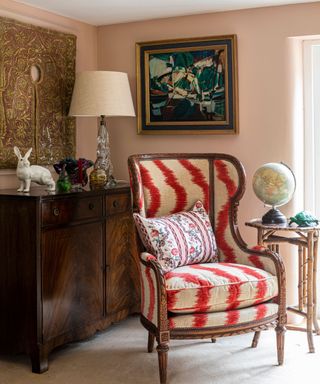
226, 184
149, 305
213, 287
171, 186
218, 319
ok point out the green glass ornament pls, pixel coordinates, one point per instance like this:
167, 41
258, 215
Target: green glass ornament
64, 183
304, 219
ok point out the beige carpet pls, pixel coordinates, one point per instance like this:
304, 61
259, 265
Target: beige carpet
119, 355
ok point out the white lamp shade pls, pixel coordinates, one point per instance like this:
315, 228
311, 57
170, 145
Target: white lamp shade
98, 93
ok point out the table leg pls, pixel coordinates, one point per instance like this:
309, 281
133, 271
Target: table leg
260, 236
310, 291
304, 272
274, 247
300, 277
315, 304
307, 242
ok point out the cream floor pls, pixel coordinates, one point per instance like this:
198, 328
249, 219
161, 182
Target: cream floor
118, 356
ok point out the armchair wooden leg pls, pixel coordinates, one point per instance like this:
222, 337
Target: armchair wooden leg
256, 338
280, 329
162, 350
213, 340
151, 338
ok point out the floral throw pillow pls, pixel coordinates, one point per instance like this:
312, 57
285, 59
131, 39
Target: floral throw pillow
179, 239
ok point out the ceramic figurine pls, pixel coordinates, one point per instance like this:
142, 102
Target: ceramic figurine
27, 173
304, 219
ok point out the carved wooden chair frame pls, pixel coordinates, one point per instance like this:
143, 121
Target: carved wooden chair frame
162, 333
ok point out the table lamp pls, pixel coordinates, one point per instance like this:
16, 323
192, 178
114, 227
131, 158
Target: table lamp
104, 94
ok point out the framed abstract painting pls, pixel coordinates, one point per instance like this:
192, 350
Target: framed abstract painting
187, 86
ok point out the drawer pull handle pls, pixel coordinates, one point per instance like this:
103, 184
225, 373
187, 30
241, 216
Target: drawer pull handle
115, 203
56, 211
91, 206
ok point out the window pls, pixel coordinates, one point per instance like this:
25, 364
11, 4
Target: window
311, 69
311, 65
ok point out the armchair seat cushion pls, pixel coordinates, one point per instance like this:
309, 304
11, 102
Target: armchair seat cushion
215, 287
223, 319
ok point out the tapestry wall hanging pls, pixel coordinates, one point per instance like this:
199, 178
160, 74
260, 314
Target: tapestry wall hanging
37, 72
187, 86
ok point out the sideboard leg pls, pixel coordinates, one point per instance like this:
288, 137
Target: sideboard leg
39, 360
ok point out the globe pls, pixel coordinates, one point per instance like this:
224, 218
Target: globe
274, 184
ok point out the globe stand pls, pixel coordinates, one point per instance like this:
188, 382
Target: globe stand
274, 216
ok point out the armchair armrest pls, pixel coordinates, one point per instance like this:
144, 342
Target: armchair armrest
236, 251
146, 257
261, 257
153, 292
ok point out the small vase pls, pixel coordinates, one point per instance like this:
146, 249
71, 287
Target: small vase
98, 179
64, 183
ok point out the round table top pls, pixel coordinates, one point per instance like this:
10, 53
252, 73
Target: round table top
257, 223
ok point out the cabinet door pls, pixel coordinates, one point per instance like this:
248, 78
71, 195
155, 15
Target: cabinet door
121, 291
72, 278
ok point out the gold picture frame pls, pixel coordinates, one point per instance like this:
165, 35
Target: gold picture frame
187, 86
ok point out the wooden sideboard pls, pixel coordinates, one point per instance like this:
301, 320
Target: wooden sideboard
68, 267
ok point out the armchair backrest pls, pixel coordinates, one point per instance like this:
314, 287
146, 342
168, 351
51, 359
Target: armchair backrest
164, 184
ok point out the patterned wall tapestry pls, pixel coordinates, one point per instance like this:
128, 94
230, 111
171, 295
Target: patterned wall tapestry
37, 71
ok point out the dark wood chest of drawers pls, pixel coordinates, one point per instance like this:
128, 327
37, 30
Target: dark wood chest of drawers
68, 267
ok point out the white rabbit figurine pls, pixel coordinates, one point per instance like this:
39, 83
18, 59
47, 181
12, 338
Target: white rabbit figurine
34, 173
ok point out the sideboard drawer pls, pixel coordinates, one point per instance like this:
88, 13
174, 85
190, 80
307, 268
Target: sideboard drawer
64, 211
118, 203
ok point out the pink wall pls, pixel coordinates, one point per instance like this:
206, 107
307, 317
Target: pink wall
270, 95
269, 111
270, 99
86, 60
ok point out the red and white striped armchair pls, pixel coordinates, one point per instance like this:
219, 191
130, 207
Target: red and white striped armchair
226, 288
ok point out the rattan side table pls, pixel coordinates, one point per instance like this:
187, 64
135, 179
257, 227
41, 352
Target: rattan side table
306, 239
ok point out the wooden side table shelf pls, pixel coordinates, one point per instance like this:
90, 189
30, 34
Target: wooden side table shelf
306, 239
